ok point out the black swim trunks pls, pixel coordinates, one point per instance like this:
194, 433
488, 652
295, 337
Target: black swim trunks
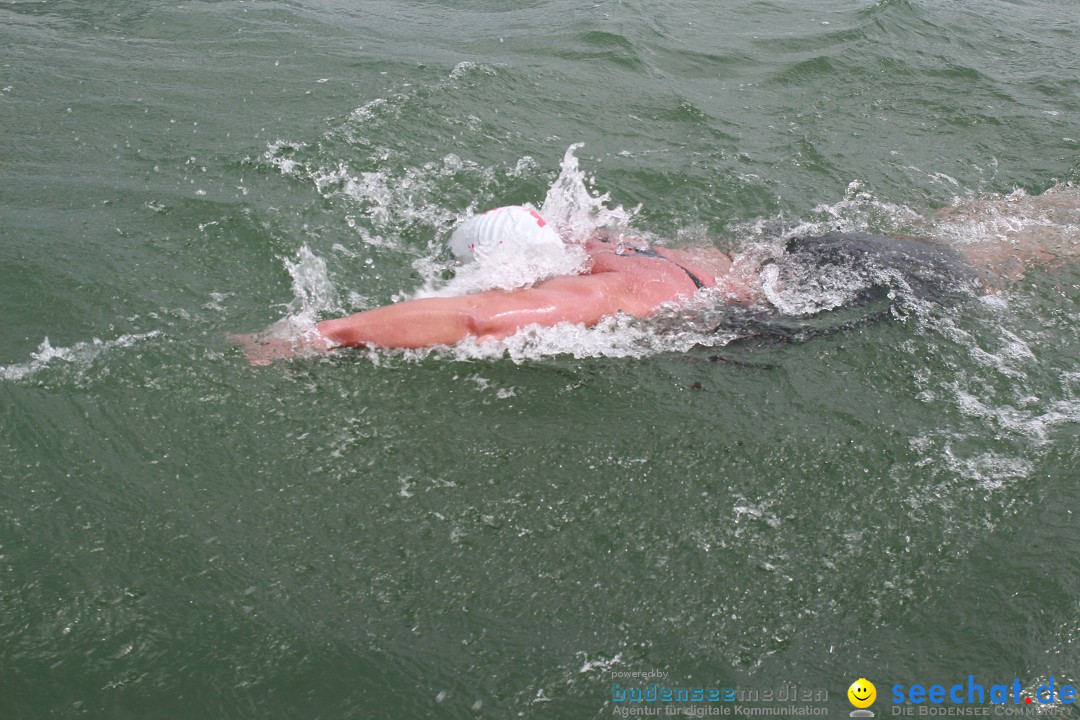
927, 270
824, 284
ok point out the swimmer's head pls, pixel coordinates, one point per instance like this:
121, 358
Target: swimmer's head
510, 226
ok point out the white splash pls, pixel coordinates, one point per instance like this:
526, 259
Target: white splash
812, 293
620, 336
80, 354
466, 68
601, 664
313, 294
505, 268
279, 154
574, 211
860, 210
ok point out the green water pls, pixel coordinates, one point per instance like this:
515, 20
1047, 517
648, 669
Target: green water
493, 535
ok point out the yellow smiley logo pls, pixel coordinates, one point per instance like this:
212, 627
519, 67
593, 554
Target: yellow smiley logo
862, 693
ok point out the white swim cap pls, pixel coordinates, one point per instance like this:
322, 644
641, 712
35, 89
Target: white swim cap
508, 226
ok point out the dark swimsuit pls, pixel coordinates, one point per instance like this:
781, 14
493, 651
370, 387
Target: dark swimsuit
883, 274
926, 269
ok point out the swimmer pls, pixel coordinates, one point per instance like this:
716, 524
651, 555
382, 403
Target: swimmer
621, 277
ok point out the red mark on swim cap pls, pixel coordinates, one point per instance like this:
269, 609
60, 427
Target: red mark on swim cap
1027, 700
540, 222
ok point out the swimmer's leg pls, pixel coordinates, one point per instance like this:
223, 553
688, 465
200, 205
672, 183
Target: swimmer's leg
1006, 260
1003, 235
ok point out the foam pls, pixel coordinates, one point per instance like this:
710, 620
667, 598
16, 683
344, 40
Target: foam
79, 355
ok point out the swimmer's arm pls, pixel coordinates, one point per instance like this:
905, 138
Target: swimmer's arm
494, 314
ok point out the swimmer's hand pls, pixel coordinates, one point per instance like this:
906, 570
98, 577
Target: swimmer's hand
263, 349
